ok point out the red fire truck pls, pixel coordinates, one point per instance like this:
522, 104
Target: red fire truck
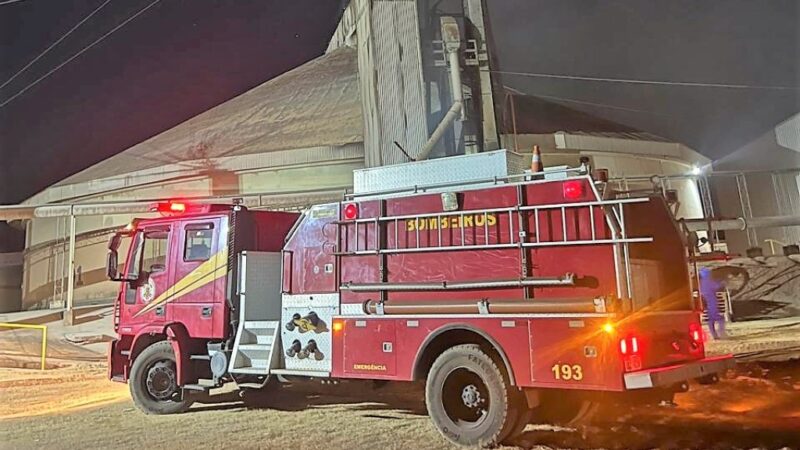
517, 299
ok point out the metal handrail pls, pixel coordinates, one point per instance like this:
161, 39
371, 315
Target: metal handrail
500, 210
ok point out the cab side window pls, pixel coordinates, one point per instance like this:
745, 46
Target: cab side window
150, 250
155, 251
198, 241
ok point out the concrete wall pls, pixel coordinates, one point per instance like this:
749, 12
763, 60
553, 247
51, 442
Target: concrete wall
45, 257
625, 159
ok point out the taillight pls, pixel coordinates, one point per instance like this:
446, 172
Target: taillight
629, 349
573, 190
350, 211
696, 333
629, 345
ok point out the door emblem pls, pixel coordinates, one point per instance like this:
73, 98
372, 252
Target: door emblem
148, 291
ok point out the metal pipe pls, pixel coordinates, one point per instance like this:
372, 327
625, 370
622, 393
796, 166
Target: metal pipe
566, 280
452, 45
437, 134
25, 212
740, 223
507, 307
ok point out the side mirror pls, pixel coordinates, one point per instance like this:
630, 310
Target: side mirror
111, 266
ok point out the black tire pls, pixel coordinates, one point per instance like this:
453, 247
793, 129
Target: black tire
461, 383
152, 383
524, 415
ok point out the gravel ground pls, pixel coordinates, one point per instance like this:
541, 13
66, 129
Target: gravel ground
75, 407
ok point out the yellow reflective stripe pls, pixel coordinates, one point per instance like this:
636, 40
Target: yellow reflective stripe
210, 270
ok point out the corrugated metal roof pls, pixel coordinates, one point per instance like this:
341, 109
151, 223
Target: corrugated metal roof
316, 104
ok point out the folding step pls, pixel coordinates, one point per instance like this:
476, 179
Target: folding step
196, 387
261, 347
254, 351
249, 370
259, 363
261, 324
200, 357
265, 339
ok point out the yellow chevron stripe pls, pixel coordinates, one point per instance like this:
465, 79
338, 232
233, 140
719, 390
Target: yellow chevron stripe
214, 268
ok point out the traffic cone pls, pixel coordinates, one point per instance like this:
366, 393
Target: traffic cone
536, 160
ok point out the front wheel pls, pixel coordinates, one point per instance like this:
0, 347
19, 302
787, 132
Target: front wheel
154, 381
468, 398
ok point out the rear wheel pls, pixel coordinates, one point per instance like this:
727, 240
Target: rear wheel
154, 381
468, 398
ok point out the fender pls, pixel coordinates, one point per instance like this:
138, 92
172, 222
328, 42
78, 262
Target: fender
470, 328
147, 332
179, 339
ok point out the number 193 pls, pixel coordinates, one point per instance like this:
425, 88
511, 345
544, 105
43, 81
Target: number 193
567, 372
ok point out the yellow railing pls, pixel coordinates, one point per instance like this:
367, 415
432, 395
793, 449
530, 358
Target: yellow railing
34, 327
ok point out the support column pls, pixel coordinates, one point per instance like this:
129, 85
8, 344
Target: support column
69, 312
474, 10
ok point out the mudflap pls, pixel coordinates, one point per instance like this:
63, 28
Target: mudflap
117, 363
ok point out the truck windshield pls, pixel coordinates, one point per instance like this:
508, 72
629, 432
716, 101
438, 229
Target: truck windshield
149, 252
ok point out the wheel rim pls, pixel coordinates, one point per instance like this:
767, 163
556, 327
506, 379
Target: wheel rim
465, 398
161, 381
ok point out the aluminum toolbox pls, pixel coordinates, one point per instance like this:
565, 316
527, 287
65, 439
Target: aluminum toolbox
453, 169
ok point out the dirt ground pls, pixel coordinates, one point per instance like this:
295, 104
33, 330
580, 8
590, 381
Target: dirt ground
74, 406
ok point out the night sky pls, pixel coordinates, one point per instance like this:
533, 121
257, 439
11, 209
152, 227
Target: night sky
182, 57
176, 60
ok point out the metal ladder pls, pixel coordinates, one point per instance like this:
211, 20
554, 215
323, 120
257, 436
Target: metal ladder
254, 351
475, 224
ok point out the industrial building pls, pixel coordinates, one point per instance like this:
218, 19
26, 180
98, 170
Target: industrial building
376, 96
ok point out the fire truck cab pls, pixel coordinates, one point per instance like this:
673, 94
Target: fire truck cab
518, 297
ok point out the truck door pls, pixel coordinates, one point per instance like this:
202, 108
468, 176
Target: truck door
144, 302
200, 269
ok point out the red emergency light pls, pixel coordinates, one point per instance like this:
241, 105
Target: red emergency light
573, 190
171, 208
350, 211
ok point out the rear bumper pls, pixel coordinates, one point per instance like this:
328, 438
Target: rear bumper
667, 376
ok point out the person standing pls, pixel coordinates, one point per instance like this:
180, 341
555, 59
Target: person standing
709, 287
